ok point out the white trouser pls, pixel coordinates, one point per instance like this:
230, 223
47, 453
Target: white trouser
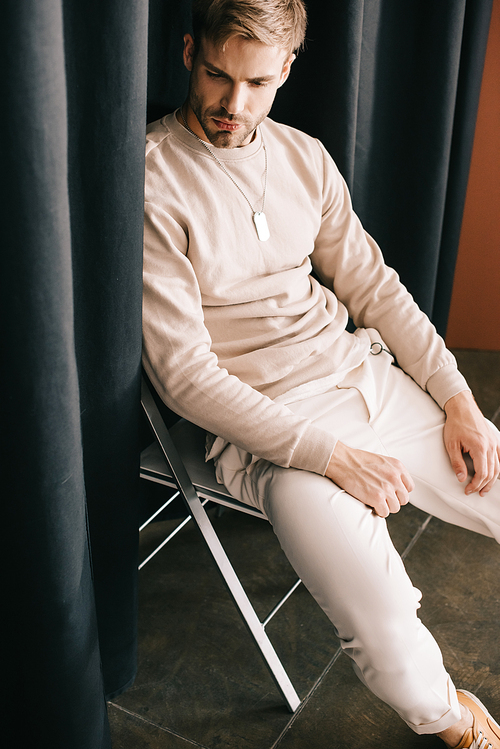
343, 552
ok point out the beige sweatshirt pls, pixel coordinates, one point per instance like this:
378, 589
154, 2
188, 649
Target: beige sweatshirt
231, 322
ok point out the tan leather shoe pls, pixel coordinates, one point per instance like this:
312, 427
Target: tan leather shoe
485, 732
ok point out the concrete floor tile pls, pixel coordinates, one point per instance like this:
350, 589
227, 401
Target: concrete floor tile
200, 674
129, 731
459, 573
344, 714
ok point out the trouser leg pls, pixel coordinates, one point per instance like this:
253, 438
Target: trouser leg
417, 440
344, 554
346, 559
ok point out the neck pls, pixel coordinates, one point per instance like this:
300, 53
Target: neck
189, 120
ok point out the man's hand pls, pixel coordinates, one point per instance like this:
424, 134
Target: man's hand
466, 431
376, 480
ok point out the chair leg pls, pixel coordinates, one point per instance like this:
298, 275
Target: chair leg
243, 604
200, 517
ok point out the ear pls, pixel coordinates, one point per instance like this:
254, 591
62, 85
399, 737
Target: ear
188, 52
286, 69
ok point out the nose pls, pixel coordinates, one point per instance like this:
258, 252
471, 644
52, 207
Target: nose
234, 99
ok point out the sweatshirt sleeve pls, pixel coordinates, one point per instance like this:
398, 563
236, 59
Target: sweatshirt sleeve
350, 263
178, 358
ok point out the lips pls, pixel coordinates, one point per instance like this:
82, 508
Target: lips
228, 126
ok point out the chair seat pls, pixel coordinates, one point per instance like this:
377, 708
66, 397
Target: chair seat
190, 443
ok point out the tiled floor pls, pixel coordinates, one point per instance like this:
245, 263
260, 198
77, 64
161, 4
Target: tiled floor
201, 682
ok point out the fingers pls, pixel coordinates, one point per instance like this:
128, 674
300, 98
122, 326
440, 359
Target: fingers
402, 497
457, 461
486, 472
379, 481
466, 432
386, 504
485, 467
477, 482
408, 482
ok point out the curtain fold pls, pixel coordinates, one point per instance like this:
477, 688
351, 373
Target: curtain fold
392, 90
472, 56
106, 78
71, 168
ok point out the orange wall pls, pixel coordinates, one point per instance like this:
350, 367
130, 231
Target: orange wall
474, 320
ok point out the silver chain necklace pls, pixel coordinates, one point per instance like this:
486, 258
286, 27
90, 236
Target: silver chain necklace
259, 217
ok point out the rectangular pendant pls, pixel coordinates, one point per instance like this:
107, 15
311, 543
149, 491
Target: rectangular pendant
260, 221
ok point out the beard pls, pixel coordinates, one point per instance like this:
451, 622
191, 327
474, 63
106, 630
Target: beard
224, 138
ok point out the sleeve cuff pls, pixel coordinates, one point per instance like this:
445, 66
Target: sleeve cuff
445, 383
314, 450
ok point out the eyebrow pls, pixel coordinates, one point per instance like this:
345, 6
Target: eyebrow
223, 74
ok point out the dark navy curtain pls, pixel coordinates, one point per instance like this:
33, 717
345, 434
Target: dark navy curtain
73, 97
391, 87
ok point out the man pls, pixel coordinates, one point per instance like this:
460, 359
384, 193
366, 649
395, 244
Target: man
314, 425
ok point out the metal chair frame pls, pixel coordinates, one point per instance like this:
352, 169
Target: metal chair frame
162, 463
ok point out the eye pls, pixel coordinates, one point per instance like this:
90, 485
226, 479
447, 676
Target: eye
260, 82
215, 76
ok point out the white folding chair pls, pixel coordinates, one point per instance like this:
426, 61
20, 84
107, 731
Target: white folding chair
177, 459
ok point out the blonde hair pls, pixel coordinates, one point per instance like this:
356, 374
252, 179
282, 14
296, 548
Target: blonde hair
277, 23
